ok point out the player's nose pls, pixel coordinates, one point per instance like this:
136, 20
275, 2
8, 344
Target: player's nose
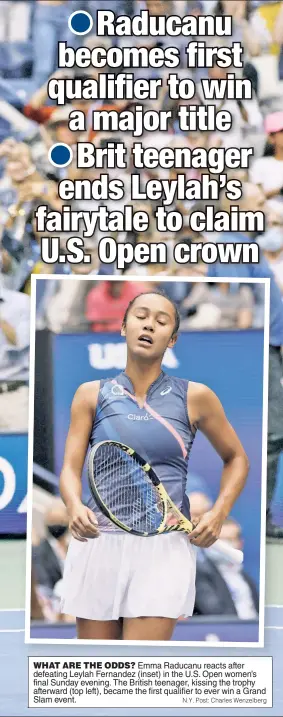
148, 325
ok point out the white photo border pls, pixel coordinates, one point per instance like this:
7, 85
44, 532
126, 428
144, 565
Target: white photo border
147, 279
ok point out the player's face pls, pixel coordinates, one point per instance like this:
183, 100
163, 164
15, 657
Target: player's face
149, 328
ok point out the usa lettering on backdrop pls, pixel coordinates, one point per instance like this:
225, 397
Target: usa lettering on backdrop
113, 356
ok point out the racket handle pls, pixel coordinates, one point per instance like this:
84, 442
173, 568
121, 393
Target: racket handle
237, 556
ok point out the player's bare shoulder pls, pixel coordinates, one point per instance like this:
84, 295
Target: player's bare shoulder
201, 400
87, 394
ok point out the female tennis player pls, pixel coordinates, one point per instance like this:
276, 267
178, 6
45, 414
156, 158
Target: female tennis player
122, 586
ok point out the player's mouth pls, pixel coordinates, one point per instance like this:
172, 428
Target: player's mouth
145, 340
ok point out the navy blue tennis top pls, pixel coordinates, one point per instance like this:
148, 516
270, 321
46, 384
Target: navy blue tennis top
160, 431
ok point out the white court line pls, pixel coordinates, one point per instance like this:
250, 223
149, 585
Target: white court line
279, 606
269, 627
12, 609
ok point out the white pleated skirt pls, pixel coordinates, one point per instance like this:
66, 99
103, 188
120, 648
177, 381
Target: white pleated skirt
121, 575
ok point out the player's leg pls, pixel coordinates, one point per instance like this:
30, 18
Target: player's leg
148, 628
98, 629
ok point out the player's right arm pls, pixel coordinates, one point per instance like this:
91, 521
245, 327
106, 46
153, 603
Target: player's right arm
83, 523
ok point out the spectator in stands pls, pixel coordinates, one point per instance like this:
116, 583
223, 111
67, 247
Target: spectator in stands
15, 20
240, 595
241, 12
244, 31
222, 587
64, 305
28, 185
107, 302
58, 127
278, 38
37, 110
14, 361
120, 7
222, 306
267, 172
247, 120
200, 503
48, 557
265, 20
50, 26
9, 269
271, 243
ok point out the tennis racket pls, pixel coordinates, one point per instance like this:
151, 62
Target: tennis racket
130, 494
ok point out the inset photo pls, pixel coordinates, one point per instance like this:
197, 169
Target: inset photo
147, 460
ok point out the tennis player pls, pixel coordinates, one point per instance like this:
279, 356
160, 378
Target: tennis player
122, 586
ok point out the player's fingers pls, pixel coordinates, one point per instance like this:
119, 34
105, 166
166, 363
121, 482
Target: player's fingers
92, 536
197, 542
90, 527
86, 528
84, 525
196, 532
78, 528
200, 537
77, 536
205, 533
204, 540
209, 542
92, 518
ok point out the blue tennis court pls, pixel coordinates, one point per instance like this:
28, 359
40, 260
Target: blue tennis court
14, 666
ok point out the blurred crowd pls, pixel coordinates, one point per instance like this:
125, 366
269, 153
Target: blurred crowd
72, 306
222, 587
30, 123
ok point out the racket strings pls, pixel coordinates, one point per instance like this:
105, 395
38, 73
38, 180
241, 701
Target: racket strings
126, 490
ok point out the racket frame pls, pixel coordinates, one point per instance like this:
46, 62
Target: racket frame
183, 525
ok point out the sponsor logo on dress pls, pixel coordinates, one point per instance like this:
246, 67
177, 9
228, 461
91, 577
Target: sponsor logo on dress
136, 417
165, 391
117, 390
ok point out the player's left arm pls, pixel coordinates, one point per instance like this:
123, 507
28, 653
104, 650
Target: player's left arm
207, 414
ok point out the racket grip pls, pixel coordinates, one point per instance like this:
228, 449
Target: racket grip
237, 556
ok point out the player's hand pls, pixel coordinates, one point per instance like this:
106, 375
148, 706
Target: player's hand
207, 530
83, 523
